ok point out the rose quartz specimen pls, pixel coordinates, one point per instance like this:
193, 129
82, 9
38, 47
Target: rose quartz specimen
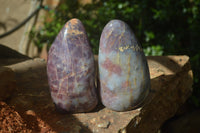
70, 69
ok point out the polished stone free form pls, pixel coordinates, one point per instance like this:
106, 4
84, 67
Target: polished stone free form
123, 69
70, 69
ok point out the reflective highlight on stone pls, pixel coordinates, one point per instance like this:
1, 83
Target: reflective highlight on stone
70, 69
123, 69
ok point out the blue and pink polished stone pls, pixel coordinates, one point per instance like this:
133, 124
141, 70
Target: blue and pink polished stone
123, 69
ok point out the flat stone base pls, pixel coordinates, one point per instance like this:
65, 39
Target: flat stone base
171, 85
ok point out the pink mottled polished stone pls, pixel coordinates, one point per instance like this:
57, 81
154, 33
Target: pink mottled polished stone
70, 69
123, 69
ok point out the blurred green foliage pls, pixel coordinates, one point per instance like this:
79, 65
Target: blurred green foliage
162, 27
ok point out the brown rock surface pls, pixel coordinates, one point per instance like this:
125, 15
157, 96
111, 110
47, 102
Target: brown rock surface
171, 81
188, 123
7, 83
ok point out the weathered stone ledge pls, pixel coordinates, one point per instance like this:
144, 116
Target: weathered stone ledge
171, 85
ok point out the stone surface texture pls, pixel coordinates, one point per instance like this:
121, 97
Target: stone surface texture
171, 81
7, 83
71, 71
187, 123
123, 69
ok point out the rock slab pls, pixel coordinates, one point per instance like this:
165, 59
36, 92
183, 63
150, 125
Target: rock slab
7, 83
171, 85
